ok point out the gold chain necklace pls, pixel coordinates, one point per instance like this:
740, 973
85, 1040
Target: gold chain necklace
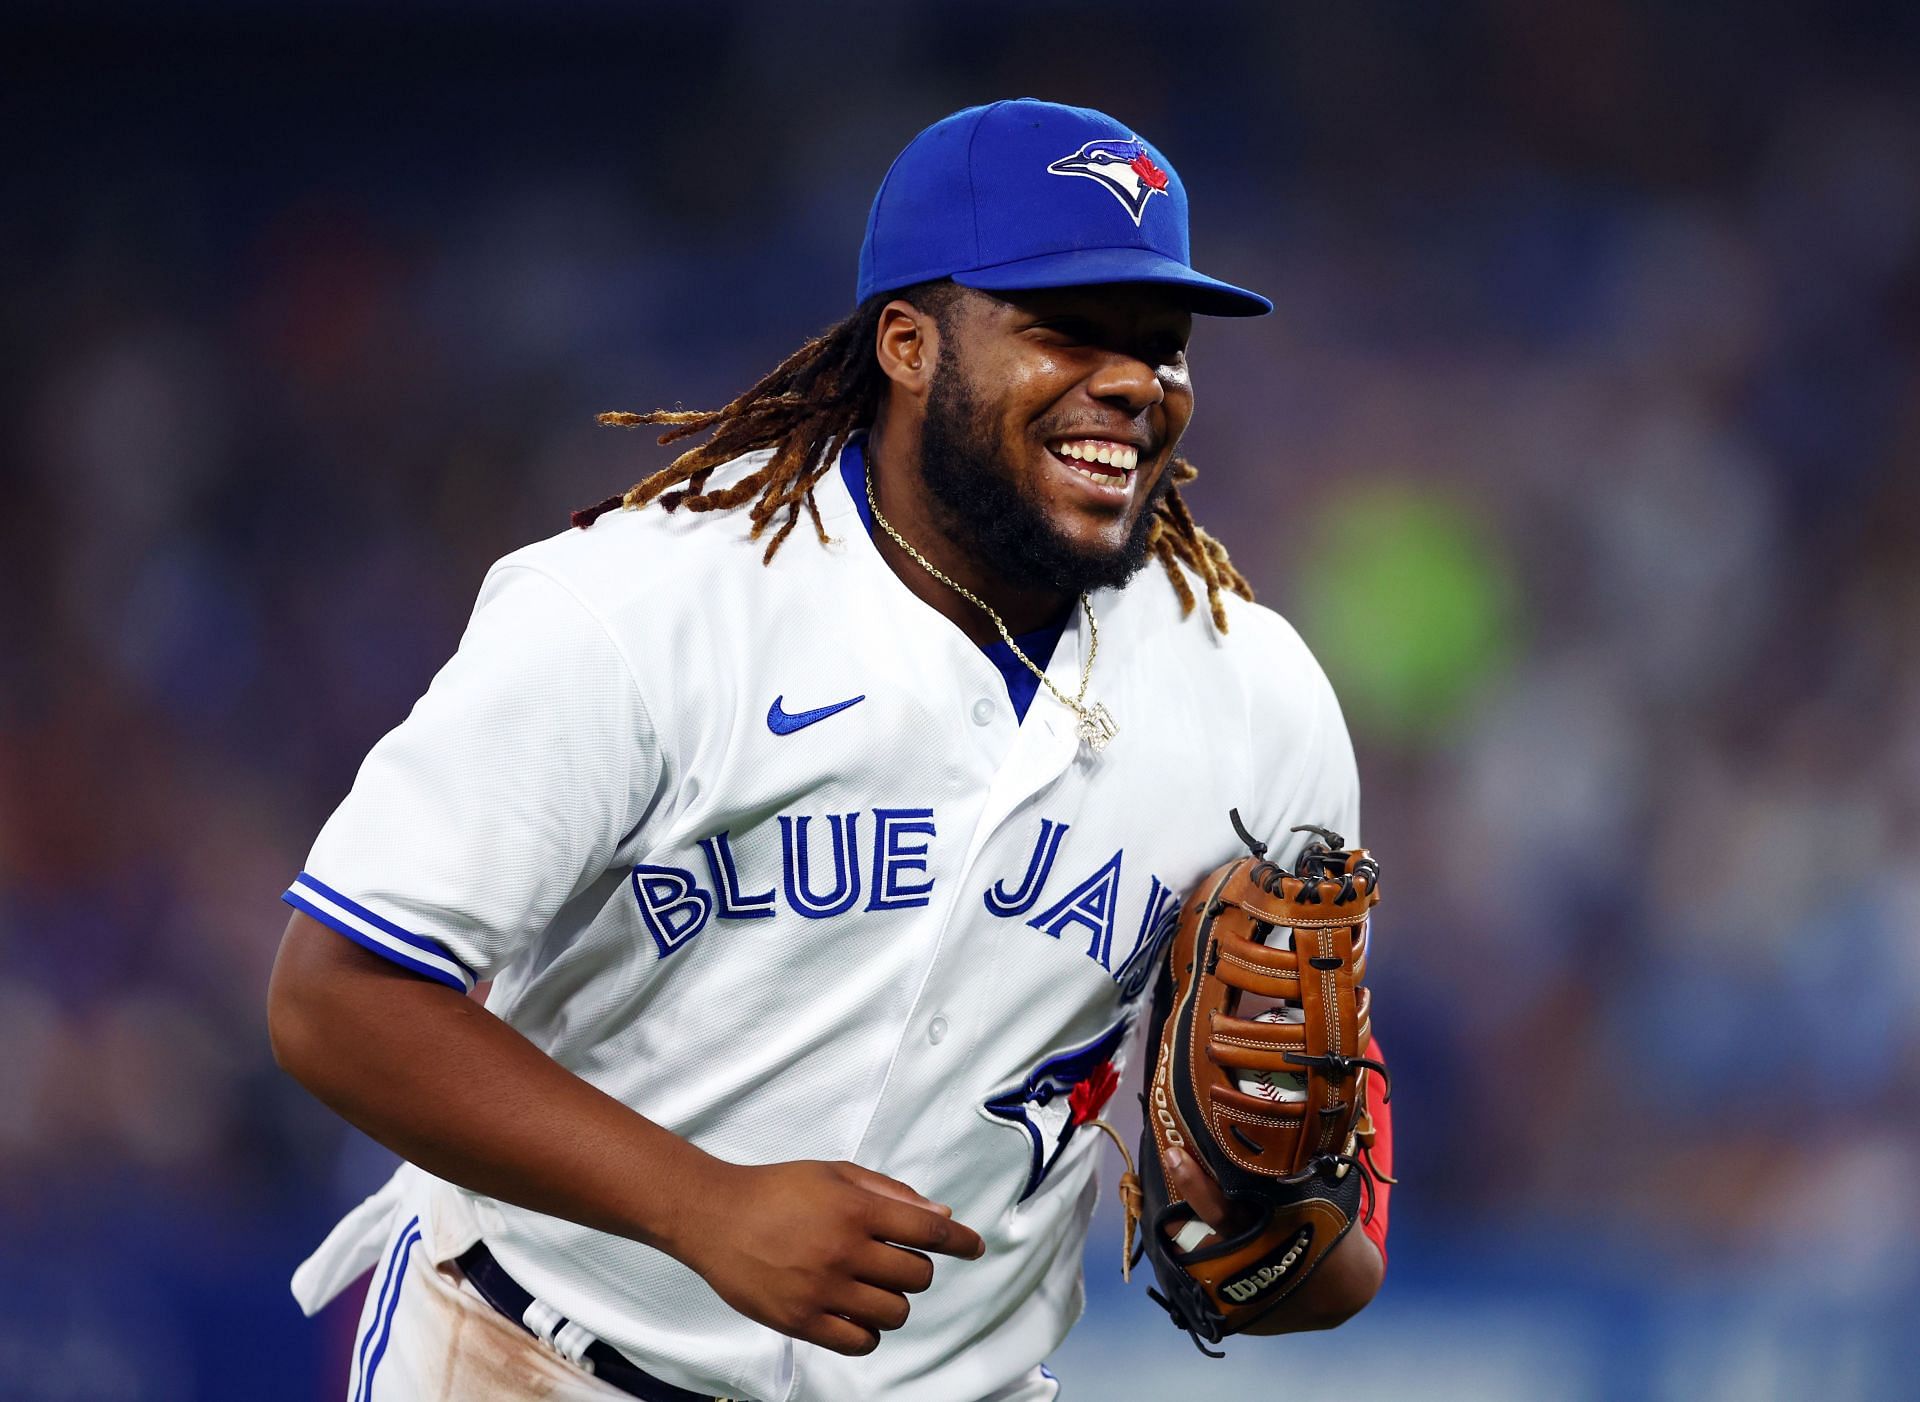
1096, 723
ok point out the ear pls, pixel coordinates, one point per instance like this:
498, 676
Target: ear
907, 345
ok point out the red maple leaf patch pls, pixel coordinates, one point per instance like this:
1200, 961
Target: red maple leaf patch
1150, 174
1087, 1099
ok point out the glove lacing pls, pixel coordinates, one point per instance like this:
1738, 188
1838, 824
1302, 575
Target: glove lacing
1132, 1202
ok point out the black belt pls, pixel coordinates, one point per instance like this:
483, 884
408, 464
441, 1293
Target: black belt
611, 1366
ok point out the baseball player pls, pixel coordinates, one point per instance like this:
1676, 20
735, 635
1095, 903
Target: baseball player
819, 811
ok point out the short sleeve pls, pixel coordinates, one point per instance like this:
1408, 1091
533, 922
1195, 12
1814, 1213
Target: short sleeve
504, 793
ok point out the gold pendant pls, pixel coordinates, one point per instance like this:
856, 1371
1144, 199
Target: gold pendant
1097, 727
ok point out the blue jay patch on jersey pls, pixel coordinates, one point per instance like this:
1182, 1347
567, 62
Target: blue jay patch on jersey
1123, 169
1057, 1097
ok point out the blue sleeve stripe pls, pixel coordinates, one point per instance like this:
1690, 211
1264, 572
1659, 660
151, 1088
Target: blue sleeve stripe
432, 962
346, 904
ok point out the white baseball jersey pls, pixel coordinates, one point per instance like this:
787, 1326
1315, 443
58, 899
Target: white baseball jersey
764, 852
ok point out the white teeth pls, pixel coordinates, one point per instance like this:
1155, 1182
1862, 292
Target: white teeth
1090, 450
1105, 479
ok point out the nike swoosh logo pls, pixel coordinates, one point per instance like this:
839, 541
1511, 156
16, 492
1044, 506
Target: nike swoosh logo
780, 723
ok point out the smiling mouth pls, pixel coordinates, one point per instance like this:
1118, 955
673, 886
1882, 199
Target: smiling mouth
1099, 460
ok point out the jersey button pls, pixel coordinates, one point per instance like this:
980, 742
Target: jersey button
983, 711
937, 1031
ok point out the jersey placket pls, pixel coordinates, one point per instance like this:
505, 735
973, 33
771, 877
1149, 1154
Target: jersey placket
1043, 749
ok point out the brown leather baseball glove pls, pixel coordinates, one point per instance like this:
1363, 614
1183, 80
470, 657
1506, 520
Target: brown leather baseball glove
1272, 1104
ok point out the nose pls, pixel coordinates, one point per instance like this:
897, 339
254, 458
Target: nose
1129, 381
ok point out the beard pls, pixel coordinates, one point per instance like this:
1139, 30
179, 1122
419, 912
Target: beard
980, 506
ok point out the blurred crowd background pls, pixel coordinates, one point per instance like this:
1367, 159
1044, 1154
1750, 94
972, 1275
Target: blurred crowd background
1584, 449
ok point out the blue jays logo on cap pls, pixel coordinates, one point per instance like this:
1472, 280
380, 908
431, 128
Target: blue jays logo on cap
1123, 168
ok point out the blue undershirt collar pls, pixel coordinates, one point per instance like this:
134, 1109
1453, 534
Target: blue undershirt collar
1022, 685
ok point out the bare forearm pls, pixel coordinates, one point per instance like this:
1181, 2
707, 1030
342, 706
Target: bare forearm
443, 1082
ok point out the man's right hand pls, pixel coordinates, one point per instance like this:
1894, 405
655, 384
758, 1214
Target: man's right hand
824, 1252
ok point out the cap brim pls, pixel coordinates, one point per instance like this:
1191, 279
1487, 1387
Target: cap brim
1100, 267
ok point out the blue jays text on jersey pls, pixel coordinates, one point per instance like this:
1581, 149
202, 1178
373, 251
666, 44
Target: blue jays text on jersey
676, 903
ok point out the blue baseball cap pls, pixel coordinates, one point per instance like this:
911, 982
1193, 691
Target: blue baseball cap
1027, 194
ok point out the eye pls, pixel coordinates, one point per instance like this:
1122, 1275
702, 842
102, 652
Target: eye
1067, 328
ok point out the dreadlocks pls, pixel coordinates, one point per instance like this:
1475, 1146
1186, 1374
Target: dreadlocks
807, 407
